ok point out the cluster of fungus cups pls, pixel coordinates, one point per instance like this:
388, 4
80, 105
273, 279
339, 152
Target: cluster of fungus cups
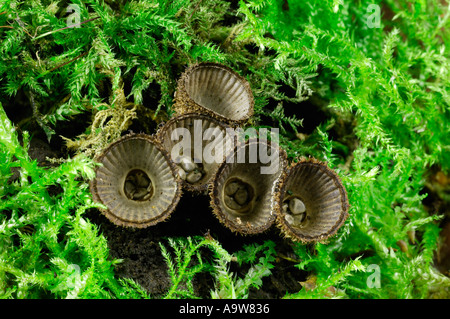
142, 177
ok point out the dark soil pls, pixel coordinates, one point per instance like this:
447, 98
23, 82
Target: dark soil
143, 261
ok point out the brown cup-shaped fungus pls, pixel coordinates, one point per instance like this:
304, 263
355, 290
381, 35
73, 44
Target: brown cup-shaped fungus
242, 190
137, 182
216, 90
311, 202
197, 144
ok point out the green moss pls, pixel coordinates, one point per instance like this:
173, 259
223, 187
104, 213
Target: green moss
382, 92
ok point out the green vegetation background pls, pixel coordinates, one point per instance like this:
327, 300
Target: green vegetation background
382, 92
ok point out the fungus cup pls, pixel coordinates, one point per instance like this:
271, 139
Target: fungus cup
311, 202
197, 144
136, 181
216, 90
241, 195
